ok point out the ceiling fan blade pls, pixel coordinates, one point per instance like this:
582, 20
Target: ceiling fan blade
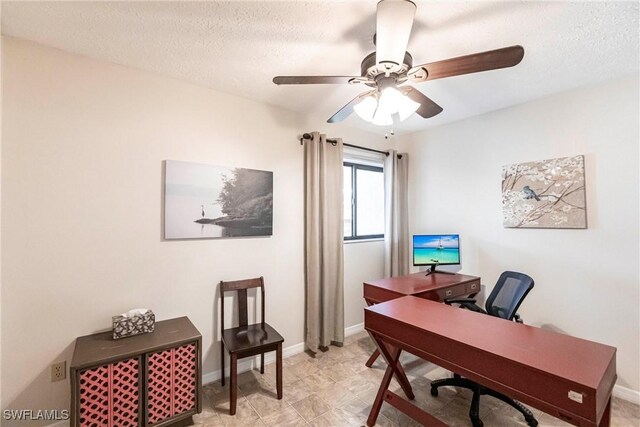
475, 63
313, 80
345, 111
427, 108
394, 19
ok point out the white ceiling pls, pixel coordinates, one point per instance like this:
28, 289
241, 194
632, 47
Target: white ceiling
237, 47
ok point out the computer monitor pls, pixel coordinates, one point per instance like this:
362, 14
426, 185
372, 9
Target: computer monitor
436, 249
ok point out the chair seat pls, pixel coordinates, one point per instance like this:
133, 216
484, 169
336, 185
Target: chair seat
250, 337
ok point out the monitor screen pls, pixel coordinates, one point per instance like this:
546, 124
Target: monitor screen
436, 249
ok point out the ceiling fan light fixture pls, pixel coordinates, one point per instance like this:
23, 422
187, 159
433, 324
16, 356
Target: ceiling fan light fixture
390, 100
380, 107
382, 118
366, 109
407, 107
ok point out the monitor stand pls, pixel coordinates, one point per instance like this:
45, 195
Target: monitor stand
432, 270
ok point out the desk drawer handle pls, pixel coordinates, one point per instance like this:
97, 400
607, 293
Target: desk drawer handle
448, 292
473, 285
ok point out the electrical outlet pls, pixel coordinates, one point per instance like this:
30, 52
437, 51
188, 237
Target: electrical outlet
59, 371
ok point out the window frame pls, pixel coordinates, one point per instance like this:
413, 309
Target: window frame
354, 206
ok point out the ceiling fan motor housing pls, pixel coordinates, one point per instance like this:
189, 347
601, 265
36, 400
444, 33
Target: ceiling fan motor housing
369, 69
383, 81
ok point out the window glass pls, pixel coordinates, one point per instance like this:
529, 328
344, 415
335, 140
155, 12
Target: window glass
370, 202
363, 201
347, 201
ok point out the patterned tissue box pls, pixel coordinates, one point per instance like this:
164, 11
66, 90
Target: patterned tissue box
134, 322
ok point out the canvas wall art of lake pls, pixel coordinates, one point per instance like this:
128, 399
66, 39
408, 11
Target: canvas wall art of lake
208, 201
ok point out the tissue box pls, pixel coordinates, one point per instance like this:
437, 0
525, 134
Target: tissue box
134, 322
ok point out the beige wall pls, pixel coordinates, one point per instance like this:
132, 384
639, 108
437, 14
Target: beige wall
1, 406
363, 261
587, 281
83, 146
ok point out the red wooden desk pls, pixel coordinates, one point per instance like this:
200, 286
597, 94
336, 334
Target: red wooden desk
436, 287
540, 368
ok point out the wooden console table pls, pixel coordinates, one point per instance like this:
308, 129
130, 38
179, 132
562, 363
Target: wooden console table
151, 379
567, 377
435, 287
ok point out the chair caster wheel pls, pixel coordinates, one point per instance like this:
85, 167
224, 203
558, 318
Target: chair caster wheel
476, 422
532, 422
434, 391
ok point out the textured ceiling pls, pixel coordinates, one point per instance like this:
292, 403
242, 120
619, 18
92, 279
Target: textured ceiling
237, 47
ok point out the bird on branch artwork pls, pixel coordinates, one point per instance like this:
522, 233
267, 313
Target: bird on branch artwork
544, 194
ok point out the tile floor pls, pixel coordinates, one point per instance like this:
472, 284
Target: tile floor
336, 389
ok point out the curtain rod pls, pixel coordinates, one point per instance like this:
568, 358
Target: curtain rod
334, 142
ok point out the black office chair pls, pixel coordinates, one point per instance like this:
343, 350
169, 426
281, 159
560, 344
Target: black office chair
506, 297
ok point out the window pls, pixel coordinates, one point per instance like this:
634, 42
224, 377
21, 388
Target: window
363, 201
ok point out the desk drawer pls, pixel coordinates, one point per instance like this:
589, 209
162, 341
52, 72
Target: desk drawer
375, 295
452, 291
473, 287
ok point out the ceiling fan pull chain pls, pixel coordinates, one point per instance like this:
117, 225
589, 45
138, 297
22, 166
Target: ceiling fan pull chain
391, 133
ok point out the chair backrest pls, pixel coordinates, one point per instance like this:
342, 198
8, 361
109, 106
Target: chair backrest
508, 294
241, 287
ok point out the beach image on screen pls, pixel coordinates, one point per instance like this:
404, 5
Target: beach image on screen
443, 249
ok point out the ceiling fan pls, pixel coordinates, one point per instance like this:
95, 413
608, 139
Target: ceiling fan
389, 69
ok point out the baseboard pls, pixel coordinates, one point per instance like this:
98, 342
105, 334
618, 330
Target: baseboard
243, 366
248, 364
627, 394
352, 330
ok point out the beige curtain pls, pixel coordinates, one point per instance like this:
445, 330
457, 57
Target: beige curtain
396, 229
323, 242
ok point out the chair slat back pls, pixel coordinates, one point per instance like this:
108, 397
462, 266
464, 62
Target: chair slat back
242, 307
241, 286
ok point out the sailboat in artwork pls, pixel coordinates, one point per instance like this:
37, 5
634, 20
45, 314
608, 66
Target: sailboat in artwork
440, 247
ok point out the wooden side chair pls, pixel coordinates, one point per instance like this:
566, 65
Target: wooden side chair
247, 340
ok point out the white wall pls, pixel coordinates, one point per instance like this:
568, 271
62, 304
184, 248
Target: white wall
586, 281
83, 146
362, 261
1, 212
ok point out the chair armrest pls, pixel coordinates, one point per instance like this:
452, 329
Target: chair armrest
468, 303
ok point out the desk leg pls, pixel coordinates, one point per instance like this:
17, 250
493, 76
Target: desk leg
392, 357
605, 421
401, 376
374, 356
377, 403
